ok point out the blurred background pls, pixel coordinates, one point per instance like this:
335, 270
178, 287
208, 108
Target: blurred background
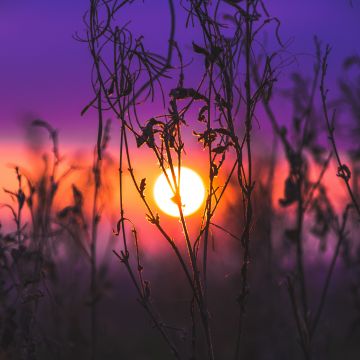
45, 73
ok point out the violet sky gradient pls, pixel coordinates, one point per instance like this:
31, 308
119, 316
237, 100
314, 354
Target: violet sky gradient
45, 73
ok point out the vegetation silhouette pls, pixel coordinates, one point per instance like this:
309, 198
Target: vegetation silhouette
244, 283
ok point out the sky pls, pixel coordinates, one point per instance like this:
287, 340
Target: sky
44, 71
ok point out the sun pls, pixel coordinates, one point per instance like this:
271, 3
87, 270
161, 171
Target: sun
192, 192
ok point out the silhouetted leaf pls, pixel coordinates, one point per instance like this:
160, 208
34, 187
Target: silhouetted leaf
118, 227
142, 186
291, 193
147, 135
88, 106
185, 93
199, 50
344, 172
220, 149
63, 213
78, 197
201, 116
214, 170
176, 199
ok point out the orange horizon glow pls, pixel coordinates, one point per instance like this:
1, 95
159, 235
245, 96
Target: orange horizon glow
148, 168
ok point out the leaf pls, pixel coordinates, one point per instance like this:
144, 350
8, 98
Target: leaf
142, 186
207, 137
63, 213
199, 50
185, 93
221, 103
153, 220
220, 149
176, 199
147, 135
215, 52
214, 171
118, 225
10, 193
140, 140
201, 116
128, 86
222, 131
344, 172
78, 197
52, 133
21, 198
110, 90
88, 106
291, 192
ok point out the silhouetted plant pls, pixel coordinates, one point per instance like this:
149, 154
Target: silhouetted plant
220, 92
236, 85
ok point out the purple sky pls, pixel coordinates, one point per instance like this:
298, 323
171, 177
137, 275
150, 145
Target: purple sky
44, 72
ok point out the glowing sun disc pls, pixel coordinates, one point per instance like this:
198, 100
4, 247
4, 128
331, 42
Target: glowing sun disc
192, 192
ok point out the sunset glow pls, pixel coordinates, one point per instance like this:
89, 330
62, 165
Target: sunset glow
192, 192
179, 179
